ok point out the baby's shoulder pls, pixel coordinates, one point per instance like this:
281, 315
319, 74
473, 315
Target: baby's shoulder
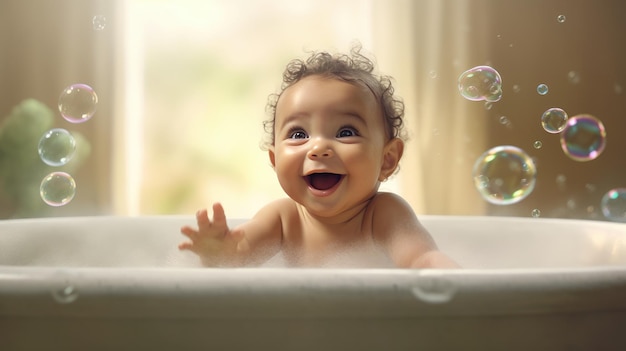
389, 206
281, 208
386, 200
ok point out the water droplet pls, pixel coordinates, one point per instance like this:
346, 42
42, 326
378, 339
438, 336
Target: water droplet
504, 175
583, 138
65, 295
433, 288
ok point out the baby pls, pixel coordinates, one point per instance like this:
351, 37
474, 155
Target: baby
336, 134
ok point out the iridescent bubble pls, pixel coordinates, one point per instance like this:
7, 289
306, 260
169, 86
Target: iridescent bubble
560, 18
99, 22
56, 147
481, 83
542, 89
613, 205
535, 213
57, 189
583, 138
77, 103
504, 175
554, 120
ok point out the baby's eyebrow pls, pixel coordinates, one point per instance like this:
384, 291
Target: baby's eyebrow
292, 118
355, 115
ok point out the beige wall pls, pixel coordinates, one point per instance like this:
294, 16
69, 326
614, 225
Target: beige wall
48, 45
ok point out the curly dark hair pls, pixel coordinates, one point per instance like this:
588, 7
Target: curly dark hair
354, 68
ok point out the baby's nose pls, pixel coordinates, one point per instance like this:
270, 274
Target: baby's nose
320, 150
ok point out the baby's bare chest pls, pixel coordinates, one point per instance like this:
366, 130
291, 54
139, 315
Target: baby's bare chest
331, 247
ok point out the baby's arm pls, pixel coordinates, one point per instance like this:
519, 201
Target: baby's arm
251, 242
409, 244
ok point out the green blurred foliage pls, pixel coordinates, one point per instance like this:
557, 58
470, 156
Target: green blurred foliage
21, 169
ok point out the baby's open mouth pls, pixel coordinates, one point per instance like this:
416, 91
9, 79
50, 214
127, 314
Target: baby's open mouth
323, 181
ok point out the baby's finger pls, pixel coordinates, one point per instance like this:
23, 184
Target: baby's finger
189, 232
186, 246
202, 218
219, 218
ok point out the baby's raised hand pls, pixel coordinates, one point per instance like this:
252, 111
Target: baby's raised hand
212, 240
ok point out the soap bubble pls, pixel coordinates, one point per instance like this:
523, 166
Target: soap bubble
573, 77
591, 188
536, 213
560, 18
434, 288
554, 120
542, 89
504, 175
481, 83
57, 189
537, 144
56, 147
583, 138
99, 22
613, 205
77, 103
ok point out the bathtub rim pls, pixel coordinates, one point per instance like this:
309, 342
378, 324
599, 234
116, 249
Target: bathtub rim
263, 293
428, 217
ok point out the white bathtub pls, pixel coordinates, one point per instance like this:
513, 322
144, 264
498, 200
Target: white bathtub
112, 283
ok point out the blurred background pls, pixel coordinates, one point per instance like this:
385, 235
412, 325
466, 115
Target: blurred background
182, 88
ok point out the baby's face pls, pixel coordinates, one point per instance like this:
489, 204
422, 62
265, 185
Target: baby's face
329, 144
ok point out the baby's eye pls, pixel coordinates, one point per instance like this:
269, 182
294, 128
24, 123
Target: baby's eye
298, 134
347, 132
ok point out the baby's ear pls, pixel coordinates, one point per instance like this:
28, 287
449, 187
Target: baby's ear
270, 152
391, 157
